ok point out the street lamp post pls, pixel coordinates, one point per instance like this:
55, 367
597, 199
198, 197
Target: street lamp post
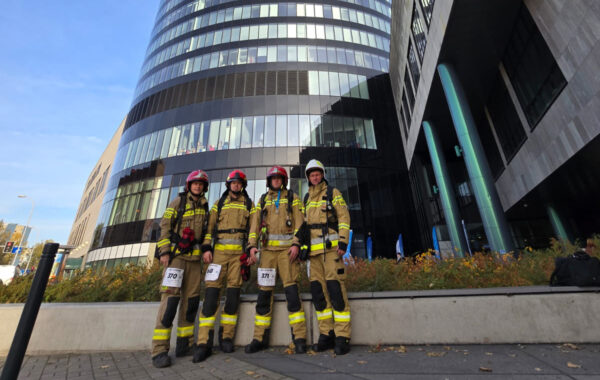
26, 227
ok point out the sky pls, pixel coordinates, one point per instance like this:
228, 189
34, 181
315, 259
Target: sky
68, 70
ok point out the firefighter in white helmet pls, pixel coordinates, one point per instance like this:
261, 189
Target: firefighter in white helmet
328, 220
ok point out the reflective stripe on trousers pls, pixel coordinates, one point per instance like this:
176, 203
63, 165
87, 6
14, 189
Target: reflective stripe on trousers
161, 334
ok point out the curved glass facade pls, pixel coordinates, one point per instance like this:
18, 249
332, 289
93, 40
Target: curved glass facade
245, 84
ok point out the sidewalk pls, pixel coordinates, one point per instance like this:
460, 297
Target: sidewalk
388, 362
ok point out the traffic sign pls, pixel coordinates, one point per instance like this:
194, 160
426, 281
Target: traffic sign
17, 250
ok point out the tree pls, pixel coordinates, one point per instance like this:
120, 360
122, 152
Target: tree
37, 253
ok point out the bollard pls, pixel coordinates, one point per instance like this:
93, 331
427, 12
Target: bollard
12, 366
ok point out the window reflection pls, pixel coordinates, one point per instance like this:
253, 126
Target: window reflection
279, 53
250, 131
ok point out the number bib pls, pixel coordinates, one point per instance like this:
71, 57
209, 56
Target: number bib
212, 272
267, 276
173, 278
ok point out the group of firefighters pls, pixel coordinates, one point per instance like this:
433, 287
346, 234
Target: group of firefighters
226, 240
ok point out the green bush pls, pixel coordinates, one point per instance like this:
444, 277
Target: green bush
133, 283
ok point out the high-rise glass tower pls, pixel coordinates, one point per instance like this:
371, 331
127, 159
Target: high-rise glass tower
250, 84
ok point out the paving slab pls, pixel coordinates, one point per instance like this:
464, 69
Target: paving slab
514, 361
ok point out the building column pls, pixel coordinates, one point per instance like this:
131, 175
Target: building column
557, 225
447, 195
486, 196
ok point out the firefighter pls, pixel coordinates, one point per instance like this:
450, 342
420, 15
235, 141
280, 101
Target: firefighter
327, 217
279, 217
228, 226
182, 228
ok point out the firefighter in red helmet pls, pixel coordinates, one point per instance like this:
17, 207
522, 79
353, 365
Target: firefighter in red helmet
280, 216
183, 226
223, 248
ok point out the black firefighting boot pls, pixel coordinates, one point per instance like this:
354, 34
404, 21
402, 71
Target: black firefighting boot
300, 345
257, 345
182, 348
225, 344
161, 360
326, 342
203, 351
342, 345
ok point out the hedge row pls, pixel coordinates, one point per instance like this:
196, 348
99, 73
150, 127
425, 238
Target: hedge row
132, 283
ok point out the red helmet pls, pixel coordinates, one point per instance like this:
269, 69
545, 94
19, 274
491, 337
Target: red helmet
277, 171
237, 175
197, 175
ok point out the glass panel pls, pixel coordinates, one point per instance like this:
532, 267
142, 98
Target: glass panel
292, 122
334, 84
302, 54
142, 150
158, 144
151, 147
370, 134
364, 90
359, 131
281, 135
272, 54
261, 54
315, 130
313, 83
353, 78
183, 140
236, 131
213, 138
134, 147
344, 84
246, 131
338, 130
193, 142
224, 134
327, 131
166, 143
174, 141
323, 83
257, 139
203, 140
269, 131
304, 128
349, 132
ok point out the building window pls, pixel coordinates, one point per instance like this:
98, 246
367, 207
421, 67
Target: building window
532, 69
413, 65
506, 121
407, 110
418, 31
427, 8
408, 89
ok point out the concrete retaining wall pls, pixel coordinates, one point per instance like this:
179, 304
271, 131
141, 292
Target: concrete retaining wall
501, 315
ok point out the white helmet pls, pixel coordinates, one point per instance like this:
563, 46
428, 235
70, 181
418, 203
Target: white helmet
314, 165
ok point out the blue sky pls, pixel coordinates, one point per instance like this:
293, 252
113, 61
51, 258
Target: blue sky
68, 69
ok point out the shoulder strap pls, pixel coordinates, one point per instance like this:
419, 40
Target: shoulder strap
330, 201
248, 201
305, 199
219, 207
180, 211
290, 199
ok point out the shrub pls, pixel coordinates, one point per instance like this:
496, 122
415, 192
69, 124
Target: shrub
133, 283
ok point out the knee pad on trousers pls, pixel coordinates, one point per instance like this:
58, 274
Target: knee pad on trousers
192, 309
233, 301
293, 298
318, 297
170, 311
211, 299
335, 294
263, 302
